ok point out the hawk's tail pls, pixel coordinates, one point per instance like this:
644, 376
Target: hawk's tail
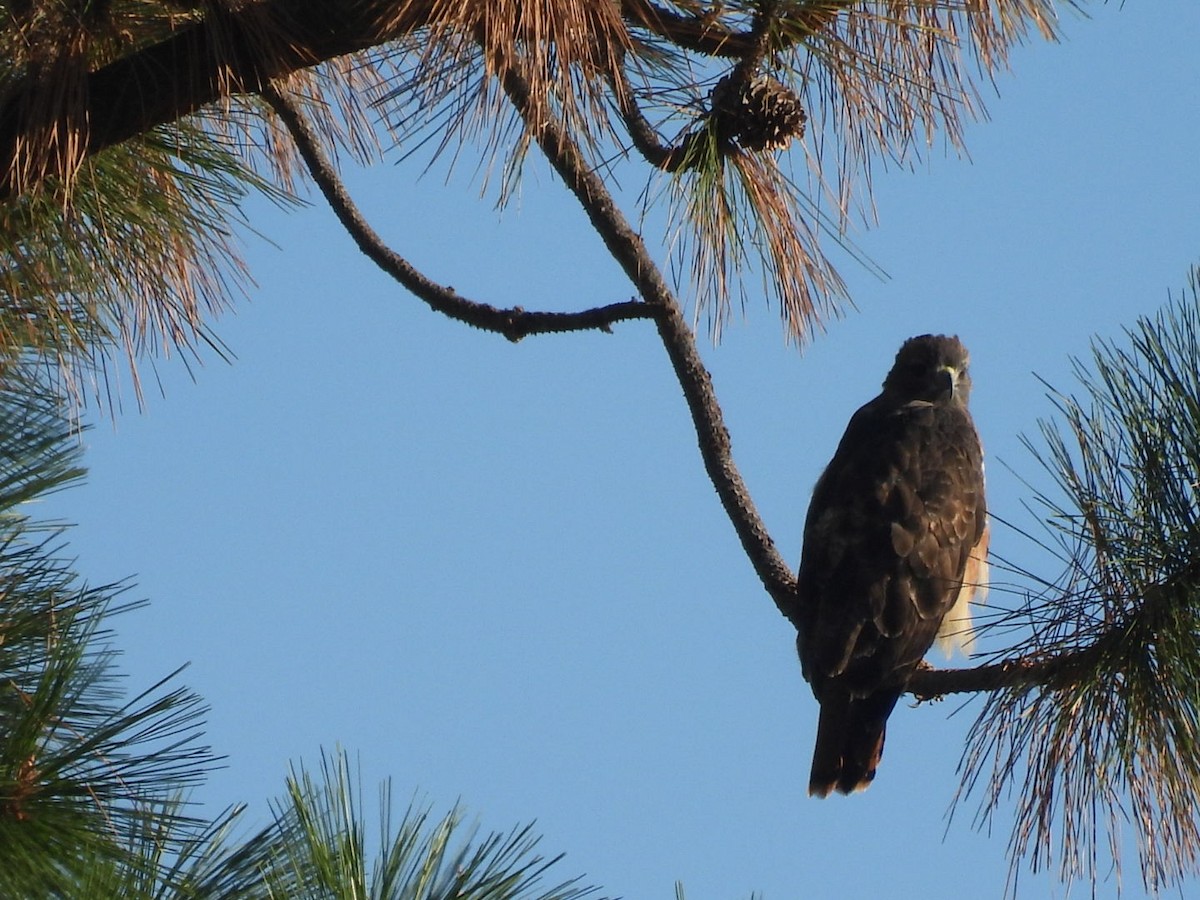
850, 735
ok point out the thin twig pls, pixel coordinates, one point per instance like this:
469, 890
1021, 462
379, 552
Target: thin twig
630, 252
668, 157
514, 323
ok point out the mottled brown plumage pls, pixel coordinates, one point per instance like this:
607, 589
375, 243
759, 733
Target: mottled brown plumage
895, 538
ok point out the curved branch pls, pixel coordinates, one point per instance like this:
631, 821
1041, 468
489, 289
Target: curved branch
630, 252
668, 157
514, 323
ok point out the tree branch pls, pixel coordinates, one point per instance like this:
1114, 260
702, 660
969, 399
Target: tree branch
630, 252
707, 35
1050, 671
701, 35
514, 323
668, 157
219, 56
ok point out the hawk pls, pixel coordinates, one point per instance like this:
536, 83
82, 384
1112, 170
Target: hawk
895, 544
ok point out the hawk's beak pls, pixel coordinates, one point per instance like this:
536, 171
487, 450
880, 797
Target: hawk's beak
947, 378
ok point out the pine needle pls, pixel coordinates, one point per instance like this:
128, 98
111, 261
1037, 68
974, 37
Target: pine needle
1111, 748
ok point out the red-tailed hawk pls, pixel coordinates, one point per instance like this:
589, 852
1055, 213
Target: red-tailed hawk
895, 544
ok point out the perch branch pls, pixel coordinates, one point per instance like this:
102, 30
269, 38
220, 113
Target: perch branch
514, 323
1051, 671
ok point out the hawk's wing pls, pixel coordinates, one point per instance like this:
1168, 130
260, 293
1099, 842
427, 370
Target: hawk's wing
957, 631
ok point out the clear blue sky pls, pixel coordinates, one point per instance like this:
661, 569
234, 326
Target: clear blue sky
498, 572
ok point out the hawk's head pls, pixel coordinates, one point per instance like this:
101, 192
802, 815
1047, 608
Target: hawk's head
933, 368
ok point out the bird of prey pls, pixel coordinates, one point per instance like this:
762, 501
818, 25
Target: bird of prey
895, 544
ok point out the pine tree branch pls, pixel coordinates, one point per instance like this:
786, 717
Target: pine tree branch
228, 52
630, 252
514, 323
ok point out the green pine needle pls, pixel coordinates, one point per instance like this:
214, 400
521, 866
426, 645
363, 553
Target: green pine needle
81, 768
1110, 750
325, 850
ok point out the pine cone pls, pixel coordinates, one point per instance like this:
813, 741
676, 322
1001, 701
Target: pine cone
759, 114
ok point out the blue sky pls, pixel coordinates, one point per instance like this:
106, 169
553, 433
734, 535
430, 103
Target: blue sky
498, 573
